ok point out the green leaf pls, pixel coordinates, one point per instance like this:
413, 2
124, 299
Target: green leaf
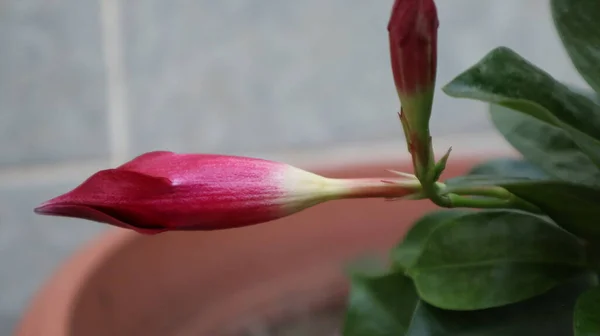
507, 168
494, 258
572, 206
504, 78
579, 29
550, 314
587, 313
380, 305
405, 253
590, 94
387, 305
546, 146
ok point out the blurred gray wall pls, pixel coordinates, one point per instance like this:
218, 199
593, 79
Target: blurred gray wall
88, 84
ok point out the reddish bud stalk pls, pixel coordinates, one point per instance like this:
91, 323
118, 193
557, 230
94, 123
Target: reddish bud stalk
164, 191
378, 188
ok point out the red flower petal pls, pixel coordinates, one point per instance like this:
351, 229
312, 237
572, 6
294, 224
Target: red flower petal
89, 213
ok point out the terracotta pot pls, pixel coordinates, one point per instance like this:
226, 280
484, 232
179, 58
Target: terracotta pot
213, 283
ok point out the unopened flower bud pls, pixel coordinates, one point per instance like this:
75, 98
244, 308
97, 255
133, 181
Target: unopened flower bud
413, 47
164, 191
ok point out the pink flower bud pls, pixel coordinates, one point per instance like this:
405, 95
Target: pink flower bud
162, 191
413, 45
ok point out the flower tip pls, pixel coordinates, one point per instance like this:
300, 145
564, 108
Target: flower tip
404, 13
48, 208
42, 209
55, 209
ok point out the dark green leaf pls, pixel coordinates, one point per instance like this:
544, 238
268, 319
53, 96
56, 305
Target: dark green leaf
546, 146
380, 305
494, 258
507, 168
587, 313
550, 314
405, 253
578, 27
591, 95
574, 207
504, 78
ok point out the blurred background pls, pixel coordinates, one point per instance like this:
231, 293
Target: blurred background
85, 85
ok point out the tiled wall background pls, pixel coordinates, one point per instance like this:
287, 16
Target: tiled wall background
89, 84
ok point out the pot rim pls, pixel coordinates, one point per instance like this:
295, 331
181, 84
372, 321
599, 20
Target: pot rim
62, 284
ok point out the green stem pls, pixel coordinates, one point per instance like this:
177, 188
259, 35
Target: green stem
487, 191
457, 201
522, 204
513, 202
425, 169
496, 197
490, 197
433, 191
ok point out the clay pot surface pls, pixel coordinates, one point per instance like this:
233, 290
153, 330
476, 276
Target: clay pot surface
216, 283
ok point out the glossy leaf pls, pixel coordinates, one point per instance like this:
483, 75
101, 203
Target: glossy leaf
507, 167
504, 78
387, 305
546, 146
550, 314
574, 207
587, 313
405, 253
579, 29
380, 305
494, 258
